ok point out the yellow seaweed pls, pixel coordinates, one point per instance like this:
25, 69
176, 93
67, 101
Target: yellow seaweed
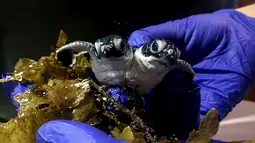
55, 100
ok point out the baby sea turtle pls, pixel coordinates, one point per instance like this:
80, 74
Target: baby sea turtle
115, 62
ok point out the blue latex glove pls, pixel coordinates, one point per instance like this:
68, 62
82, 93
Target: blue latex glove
13, 88
220, 46
65, 131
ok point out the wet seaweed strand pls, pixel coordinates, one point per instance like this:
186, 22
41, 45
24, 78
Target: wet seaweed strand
137, 121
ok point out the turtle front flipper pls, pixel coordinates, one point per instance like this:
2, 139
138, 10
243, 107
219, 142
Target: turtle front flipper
185, 66
67, 54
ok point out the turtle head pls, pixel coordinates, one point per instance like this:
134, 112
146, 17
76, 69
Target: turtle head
111, 56
111, 46
163, 52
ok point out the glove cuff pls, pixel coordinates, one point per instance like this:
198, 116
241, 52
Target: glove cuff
241, 18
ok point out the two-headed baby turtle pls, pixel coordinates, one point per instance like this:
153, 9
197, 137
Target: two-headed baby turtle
115, 62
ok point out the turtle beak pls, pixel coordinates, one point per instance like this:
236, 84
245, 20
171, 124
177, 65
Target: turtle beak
108, 50
103, 50
97, 49
109, 47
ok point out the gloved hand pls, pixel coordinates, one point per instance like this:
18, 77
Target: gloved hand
220, 46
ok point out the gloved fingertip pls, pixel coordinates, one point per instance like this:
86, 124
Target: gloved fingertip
139, 38
9, 88
4, 74
213, 141
13, 88
218, 141
65, 131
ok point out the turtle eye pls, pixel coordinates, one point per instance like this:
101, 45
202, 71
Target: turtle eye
119, 44
154, 47
97, 48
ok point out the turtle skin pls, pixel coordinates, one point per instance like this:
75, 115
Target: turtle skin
115, 62
170, 96
152, 62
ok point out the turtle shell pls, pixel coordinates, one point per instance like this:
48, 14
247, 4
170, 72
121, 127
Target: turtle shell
174, 105
172, 108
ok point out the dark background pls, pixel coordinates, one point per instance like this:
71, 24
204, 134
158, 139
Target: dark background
28, 28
